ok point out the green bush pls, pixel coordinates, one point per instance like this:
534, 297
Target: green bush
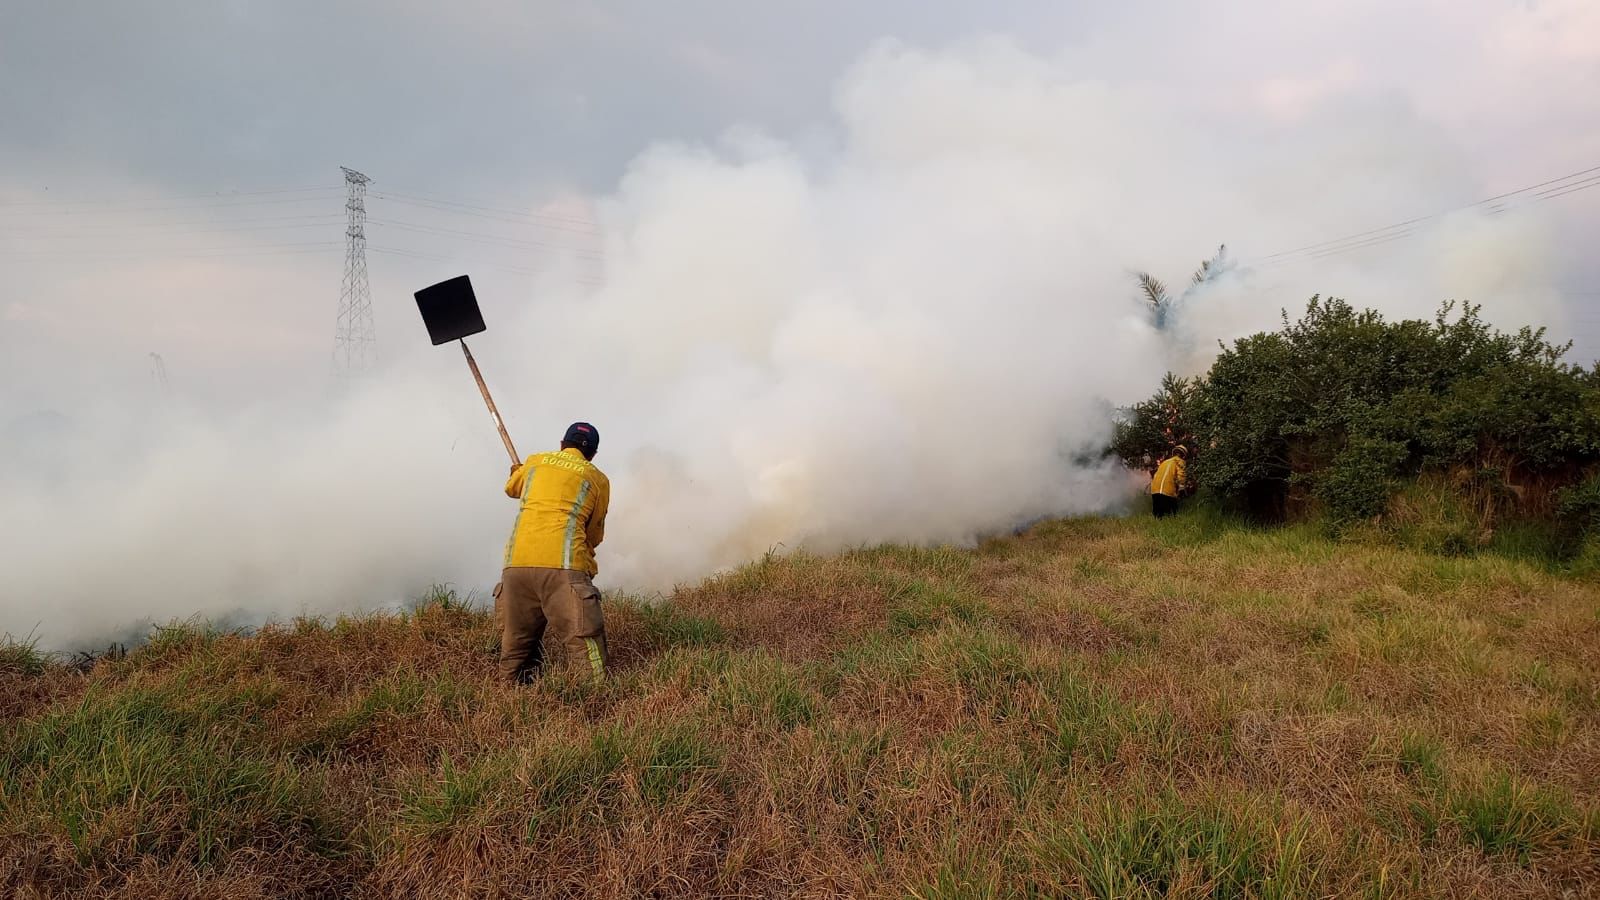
1147, 432
1357, 483
1578, 505
1341, 408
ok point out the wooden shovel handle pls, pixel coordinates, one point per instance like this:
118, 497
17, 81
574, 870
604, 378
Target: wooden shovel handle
493, 413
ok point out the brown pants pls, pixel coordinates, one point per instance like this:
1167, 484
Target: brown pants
527, 599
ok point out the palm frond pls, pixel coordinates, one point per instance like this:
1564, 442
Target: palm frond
1153, 290
1212, 266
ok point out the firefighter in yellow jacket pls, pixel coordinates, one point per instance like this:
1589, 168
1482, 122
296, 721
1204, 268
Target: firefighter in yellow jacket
550, 563
1168, 484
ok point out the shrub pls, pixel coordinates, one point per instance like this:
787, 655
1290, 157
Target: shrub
1146, 432
1340, 408
1578, 505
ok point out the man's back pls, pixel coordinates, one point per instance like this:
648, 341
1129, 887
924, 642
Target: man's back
1169, 477
561, 521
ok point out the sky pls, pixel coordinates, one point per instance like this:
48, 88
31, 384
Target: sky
540, 104
738, 233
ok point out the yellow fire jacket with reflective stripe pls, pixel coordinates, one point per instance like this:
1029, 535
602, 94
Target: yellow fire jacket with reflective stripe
563, 513
1169, 477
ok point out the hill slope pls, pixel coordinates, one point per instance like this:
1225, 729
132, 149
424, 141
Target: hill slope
1097, 707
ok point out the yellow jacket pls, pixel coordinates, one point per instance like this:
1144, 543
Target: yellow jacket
563, 513
1169, 478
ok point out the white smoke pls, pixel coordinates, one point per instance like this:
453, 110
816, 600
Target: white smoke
911, 335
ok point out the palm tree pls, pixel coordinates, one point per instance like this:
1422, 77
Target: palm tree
1155, 293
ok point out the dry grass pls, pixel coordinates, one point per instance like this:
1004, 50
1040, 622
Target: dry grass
1096, 708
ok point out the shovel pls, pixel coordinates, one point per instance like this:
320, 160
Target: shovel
450, 310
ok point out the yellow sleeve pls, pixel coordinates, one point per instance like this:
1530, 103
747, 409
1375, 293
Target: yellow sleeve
596, 529
518, 480
1182, 475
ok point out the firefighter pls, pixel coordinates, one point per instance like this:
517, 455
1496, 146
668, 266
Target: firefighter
1169, 483
550, 561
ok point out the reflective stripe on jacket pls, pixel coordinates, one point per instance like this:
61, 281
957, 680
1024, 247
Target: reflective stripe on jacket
563, 513
1169, 477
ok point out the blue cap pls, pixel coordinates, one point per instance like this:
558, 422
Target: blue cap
583, 436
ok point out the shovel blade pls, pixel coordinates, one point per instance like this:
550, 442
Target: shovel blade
450, 310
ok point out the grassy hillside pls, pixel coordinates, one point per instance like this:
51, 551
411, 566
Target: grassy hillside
1095, 708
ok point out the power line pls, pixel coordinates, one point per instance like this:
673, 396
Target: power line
325, 222
354, 337
520, 270
208, 253
1389, 234
299, 221
445, 201
186, 206
56, 205
412, 254
481, 238
1538, 198
1375, 236
1539, 185
1568, 189
289, 249
201, 196
120, 227
515, 218
137, 252
1370, 242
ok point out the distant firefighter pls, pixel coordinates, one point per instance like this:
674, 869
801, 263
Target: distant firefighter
1168, 484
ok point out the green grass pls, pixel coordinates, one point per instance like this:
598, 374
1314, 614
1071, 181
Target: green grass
665, 625
185, 768
22, 657
1155, 846
452, 795
1095, 708
1422, 755
765, 692
564, 776
1508, 817
673, 758
919, 605
386, 704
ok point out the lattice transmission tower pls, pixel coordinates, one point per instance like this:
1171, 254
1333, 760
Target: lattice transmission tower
355, 338
158, 374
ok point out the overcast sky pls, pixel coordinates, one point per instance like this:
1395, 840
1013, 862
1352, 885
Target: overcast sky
108, 108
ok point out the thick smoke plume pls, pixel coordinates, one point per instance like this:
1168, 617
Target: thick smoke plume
913, 331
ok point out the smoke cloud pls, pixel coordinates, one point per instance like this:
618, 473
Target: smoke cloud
913, 330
